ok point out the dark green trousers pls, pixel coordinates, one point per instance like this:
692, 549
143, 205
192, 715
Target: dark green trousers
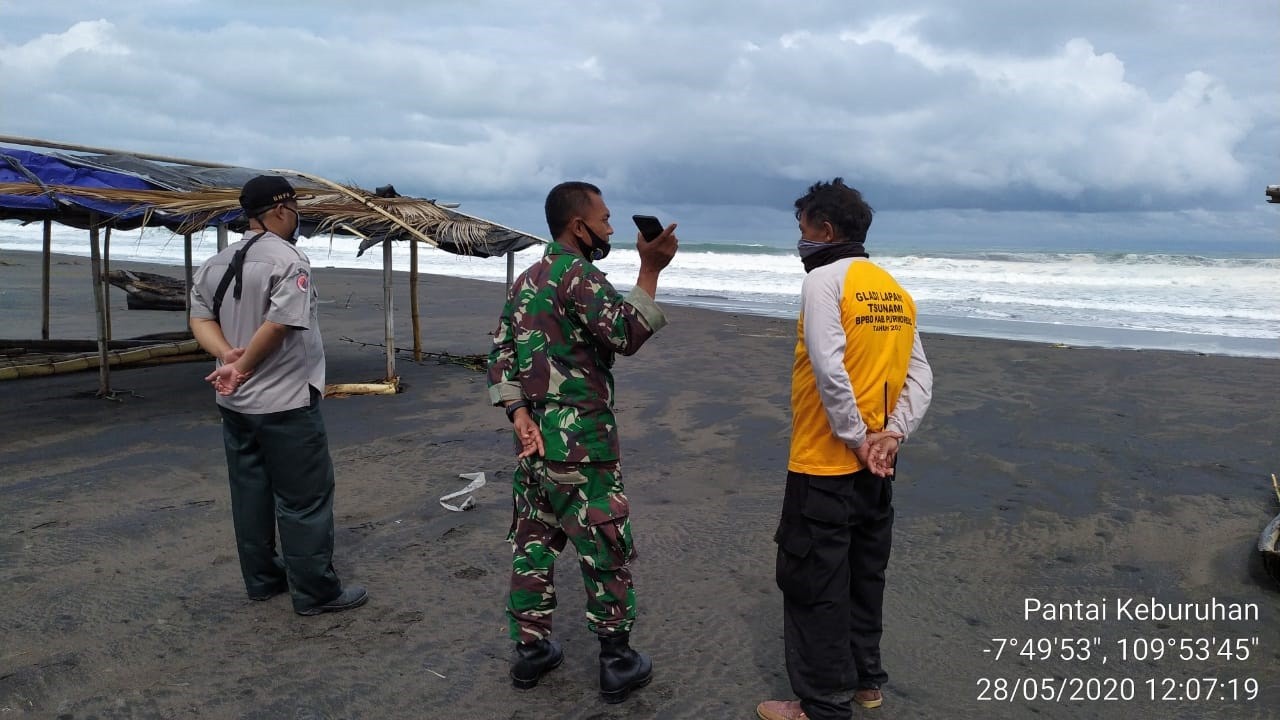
282, 476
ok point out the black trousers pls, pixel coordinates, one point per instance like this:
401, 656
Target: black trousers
282, 476
834, 540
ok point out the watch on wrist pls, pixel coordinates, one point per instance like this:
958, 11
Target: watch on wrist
513, 407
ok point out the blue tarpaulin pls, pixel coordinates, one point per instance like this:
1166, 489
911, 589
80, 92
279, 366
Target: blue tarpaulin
447, 229
23, 166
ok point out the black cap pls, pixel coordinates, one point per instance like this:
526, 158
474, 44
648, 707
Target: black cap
263, 192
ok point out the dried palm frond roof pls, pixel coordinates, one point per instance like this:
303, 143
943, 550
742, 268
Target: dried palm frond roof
322, 212
188, 198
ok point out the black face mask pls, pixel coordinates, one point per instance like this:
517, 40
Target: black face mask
599, 249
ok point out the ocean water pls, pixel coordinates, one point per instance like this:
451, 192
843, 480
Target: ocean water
1218, 305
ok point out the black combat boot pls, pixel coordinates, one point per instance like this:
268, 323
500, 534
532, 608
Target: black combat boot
533, 660
621, 668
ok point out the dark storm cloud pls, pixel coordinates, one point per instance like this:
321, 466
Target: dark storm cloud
993, 105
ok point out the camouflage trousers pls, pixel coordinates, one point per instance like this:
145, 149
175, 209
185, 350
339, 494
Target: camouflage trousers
556, 503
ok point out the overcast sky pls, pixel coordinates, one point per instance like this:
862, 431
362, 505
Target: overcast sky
1164, 115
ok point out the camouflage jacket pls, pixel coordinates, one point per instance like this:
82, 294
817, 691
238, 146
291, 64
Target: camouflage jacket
555, 345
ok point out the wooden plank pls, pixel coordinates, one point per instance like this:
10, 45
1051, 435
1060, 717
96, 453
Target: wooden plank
106, 273
413, 301
44, 279
387, 304
95, 265
186, 255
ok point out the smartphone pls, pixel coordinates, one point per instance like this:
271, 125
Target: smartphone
650, 226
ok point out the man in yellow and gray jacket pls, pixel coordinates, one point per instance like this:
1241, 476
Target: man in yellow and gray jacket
860, 386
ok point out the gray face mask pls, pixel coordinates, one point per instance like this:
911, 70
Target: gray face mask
809, 247
297, 225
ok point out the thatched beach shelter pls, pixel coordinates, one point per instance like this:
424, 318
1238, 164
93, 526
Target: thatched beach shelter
101, 190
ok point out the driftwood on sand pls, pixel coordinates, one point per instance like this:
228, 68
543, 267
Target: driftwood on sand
149, 291
382, 387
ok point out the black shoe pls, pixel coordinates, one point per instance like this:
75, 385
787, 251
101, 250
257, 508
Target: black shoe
621, 668
533, 660
352, 597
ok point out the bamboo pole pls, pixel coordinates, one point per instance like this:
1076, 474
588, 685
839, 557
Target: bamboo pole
413, 300
198, 356
511, 270
188, 350
44, 283
388, 307
36, 142
106, 273
368, 204
222, 237
95, 264
186, 256
61, 346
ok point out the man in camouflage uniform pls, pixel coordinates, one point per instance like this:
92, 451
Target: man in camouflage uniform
556, 341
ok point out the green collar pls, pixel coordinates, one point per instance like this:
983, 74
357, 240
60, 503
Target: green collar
555, 247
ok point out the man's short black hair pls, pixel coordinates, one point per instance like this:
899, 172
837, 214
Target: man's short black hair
838, 204
565, 201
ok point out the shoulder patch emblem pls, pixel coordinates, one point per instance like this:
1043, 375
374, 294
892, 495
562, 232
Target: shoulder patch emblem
304, 281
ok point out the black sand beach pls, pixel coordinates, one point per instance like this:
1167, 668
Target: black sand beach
1060, 474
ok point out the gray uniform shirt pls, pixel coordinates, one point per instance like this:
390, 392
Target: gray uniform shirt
276, 286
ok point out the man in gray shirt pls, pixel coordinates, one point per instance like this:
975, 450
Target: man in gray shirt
253, 307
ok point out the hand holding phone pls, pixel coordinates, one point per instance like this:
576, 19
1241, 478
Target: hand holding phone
650, 227
654, 256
